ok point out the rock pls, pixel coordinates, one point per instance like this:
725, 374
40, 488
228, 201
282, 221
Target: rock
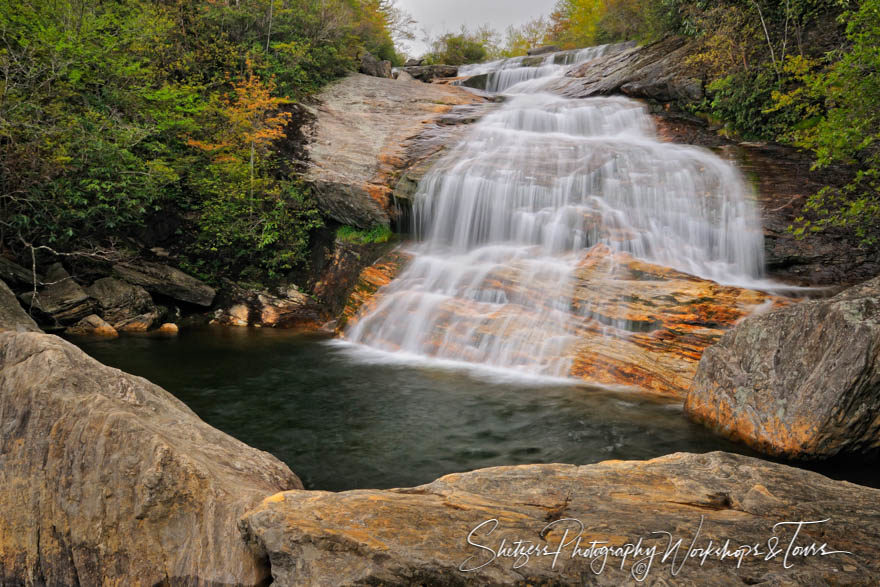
374, 67
12, 315
403, 76
92, 326
125, 306
426, 535
802, 382
413, 62
543, 50
658, 71
362, 296
630, 323
359, 143
287, 308
108, 479
15, 274
61, 300
168, 328
167, 281
478, 82
429, 73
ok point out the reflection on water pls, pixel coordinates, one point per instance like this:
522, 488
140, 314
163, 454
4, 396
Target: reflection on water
341, 423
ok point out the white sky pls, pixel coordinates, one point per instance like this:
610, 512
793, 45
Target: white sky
440, 16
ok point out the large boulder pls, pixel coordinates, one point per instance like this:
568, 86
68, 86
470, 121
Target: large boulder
108, 479
370, 65
12, 315
16, 275
61, 300
360, 141
451, 531
429, 73
167, 281
124, 306
659, 71
801, 382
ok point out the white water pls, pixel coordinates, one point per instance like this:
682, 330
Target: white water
505, 218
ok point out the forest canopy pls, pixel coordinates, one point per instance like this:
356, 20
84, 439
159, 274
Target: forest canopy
118, 116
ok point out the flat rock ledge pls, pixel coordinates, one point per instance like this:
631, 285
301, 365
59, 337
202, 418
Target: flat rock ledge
428, 534
106, 479
802, 382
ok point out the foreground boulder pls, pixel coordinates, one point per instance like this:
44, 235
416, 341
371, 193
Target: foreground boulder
359, 143
801, 382
12, 316
167, 281
429, 534
108, 479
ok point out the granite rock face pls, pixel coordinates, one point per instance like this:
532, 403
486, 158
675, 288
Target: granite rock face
657, 71
167, 281
359, 142
12, 315
802, 382
420, 535
108, 479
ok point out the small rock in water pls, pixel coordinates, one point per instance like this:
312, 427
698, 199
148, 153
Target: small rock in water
169, 328
92, 325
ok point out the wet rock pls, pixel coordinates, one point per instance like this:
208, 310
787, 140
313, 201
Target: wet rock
285, 308
61, 300
12, 315
373, 277
125, 306
420, 535
543, 50
92, 325
167, 281
107, 477
168, 328
359, 141
631, 323
429, 73
802, 382
658, 71
374, 67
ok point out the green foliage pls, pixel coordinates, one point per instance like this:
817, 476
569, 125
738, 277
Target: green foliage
464, 47
114, 113
377, 234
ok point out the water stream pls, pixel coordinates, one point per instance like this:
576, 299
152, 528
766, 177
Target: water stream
506, 218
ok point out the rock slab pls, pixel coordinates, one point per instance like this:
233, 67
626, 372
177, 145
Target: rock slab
358, 144
106, 479
801, 382
167, 281
420, 535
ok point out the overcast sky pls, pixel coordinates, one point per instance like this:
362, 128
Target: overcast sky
440, 16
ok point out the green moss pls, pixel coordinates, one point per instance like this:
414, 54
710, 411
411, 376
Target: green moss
377, 234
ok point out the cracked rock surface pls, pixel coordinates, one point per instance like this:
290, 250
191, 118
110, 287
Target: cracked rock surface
419, 535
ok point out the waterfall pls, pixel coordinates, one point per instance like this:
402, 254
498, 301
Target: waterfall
504, 220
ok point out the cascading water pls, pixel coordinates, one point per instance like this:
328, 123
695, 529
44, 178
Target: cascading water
506, 218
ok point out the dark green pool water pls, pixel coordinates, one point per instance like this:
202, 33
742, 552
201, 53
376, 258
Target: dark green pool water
341, 420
